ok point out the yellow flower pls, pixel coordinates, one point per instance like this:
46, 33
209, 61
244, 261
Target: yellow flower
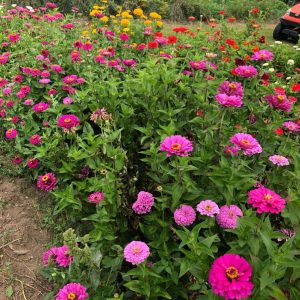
126, 29
85, 33
159, 23
138, 12
112, 16
104, 1
104, 19
96, 7
148, 22
115, 21
143, 16
94, 31
155, 15
125, 22
125, 14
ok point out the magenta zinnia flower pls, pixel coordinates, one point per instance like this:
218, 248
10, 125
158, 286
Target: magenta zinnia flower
231, 150
246, 71
33, 163
48, 255
279, 160
231, 88
72, 291
11, 133
144, 203
291, 126
35, 139
63, 259
46, 182
230, 277
136, 252
262, 55
176, 145
228, 216
185, 215
208, 208
40, 107
265, 200
96, 197
246, 142
68, 121
279, 101
202, 65
226, 100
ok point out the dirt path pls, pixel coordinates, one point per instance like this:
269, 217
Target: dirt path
22, 242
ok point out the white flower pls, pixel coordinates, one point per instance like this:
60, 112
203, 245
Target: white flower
297, 49
13, 5
271, 70
272, 45
291, 62
284, 86
295, 46
265, 64
288, 78
278, 42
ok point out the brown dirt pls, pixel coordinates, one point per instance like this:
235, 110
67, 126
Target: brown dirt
22, 242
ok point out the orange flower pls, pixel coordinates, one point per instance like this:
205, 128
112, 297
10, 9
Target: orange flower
225, 59
255, 48
236, 47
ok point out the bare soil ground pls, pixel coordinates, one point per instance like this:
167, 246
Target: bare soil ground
22, 242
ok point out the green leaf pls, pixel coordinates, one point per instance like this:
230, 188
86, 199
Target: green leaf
9, 291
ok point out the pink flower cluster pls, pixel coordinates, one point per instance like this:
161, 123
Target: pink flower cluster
266, 201
72, 291
144, 203
96, 197
228, 216
185, 215
60, 255
247, 143
136, 252
230, 277
176, 145
46, 182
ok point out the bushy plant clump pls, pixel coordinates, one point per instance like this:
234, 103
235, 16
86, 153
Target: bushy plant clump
175, 157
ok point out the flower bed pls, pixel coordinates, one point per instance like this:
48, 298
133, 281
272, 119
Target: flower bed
174, 157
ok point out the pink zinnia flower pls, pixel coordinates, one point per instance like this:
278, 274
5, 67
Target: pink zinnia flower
176, 145
136, 252
291, 126
265, 200
185, 215
227, 101
203, 65
262, 55
246, 71
124, 37
246, 142
11, 133
46, 182
33, 163
28, 102
67, 101
73, 291
228, 216
48, 255
279, 101
208, 208
96, 197
231, 150
63, 259
40, 107
144, 203
231, 88
14, 37
230, 277
68, 121
56, 68
17, 160
35, 139
279, 160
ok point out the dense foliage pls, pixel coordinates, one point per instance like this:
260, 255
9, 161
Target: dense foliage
131, 129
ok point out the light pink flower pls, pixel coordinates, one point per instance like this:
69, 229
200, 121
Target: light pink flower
96, 197
144, 203
279, 160
208, 208
228, 216
136, 252
227, 101
246, 142
185, 215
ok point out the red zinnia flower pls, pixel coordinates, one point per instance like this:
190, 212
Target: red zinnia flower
279, 131
152, 45
296, 87
172, 39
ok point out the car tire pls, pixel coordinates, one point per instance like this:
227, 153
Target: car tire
277, 33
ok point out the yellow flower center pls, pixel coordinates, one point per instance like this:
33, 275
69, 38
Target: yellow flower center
232, 85
72, 296
280, 98
9, 131
45, 178
268, 197
208, 207
67, 120
136, 250
245, 142
232, 272
176, 146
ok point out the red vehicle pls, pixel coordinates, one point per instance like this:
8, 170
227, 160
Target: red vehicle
289, 25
